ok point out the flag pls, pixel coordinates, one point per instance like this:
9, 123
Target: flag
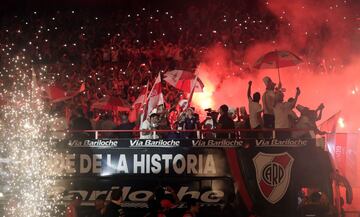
339, 152
155, 98
343, 148
141, 98
184, 80
82, 88
57, 94
140, 102
330, 124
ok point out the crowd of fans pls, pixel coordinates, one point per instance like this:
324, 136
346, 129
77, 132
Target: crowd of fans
267, 112
116, 53
272, 113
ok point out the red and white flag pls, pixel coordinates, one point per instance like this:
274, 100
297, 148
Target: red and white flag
141, 98
155, 97
331, 123
57, 94
184, 80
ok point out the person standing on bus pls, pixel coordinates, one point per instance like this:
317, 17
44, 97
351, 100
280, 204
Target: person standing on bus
225, 123
151, 123
268, 101
255, 110
282, 111
190, 123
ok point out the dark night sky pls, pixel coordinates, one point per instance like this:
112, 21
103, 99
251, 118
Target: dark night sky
16, 6
9, 6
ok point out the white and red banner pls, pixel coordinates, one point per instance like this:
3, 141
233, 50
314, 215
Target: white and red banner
155, 97
141, 98
331, 123
184, 80
344, 148
340, 152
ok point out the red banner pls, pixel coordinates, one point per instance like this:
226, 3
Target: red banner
340, 152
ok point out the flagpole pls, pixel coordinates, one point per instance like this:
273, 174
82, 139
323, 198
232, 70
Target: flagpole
146, 93
144, 103
192, 90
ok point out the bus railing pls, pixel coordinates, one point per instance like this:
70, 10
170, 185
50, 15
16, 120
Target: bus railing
197, 134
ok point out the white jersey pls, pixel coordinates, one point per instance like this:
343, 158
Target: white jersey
145, 125
254, 109
282, 111
268, 101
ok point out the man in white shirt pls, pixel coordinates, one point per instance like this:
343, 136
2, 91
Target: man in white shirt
150, 124
268, 102
255, 109
282, 111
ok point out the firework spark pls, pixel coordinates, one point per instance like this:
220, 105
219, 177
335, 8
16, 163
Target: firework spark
29, 149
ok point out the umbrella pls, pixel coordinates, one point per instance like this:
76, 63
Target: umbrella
111, 103
183, 80
277, 59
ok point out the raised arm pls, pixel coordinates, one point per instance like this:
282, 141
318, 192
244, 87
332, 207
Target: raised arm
237, 112
293, 103
320, 110
249, 90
